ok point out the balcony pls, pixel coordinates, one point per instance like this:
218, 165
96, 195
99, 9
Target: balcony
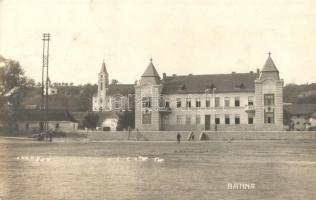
165, 109
249, 108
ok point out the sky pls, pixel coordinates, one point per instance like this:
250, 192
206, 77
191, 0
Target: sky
182, 37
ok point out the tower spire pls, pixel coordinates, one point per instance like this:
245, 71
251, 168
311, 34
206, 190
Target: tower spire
103, 68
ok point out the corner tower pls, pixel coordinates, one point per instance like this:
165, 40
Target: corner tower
269, 98
147, 97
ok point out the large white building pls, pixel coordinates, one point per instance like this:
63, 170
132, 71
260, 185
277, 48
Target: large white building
236, 101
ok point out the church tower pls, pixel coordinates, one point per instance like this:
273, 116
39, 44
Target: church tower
269, 98
103, 84
147, 91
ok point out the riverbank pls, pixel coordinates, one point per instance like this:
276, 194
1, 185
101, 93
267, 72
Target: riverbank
85, 136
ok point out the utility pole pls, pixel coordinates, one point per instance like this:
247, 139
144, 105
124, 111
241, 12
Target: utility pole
45, 80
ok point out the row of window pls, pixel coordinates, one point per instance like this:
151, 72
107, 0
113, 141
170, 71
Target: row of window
27, 126
147, 102
217, 119
217, 102
228, 119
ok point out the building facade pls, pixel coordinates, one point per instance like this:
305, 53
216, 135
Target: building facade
31, 121
236, 101
112, 97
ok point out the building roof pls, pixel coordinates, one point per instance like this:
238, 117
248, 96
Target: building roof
269, 66
121, 89
150, 71
235, 82
300, 109
38, 115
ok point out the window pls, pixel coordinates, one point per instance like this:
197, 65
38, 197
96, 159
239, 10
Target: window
227, 119
27, 126
227, 102
237, 101
101, 86
146, 118
217, 101
57, 126
250, 101
197, 119
178, 102
269, 118
207, 103
179, 119
250, 119
146, 102
217, 119
198, 103
268, 99
237, 119
188, 102
188, 120
101, 100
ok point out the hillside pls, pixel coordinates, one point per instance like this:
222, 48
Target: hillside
305, 93
72, 98
79, 98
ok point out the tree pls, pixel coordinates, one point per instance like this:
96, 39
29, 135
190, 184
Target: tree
126, 119
114, 81
11, 77
91, 120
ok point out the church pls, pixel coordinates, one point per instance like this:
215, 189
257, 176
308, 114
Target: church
224, 102
113, 96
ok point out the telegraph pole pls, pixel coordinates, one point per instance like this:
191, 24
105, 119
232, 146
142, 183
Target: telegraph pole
45, 80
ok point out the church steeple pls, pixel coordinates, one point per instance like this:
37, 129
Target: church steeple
269, 70
103, 68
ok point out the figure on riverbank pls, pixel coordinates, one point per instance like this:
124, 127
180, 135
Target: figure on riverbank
178, 137
191, 136
50, 137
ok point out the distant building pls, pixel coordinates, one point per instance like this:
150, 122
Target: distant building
108, 122
51, 89
112, 97
311, 125
301, 116
236, 101
31, 121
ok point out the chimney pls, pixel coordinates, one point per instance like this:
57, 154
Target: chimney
258, 71
164, 76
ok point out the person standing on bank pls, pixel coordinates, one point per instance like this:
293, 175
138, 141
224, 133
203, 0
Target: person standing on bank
178, 137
